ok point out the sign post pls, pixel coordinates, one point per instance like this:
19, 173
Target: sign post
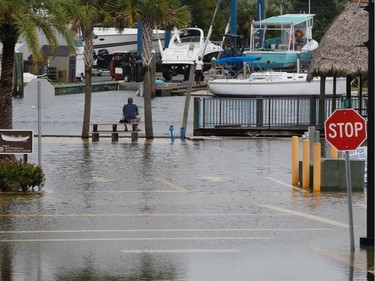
345, 130
33, 96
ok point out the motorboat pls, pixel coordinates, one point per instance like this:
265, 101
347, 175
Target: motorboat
113, 40
283, 42
266, 83
184, 48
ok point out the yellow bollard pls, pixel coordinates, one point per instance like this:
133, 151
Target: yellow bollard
295, 161
334, 152
317, 167
305, 164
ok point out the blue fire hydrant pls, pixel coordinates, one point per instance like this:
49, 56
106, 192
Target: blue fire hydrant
171, 129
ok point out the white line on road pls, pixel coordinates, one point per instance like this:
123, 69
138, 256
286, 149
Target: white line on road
308, 216
170, 184
135, 239
161, 230
288, 185
181, 251
148, 215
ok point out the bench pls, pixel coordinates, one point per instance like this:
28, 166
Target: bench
114, 132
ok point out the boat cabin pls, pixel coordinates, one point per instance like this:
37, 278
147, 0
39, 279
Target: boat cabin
285, 32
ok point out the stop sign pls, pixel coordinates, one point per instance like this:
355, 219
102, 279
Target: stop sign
345, 129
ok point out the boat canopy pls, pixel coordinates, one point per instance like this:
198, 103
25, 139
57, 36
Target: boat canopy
238, 59
288, 19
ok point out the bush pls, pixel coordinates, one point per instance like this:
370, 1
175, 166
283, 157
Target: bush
26, 174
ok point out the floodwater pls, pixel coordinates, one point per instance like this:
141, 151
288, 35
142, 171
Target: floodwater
219, 209
65, 116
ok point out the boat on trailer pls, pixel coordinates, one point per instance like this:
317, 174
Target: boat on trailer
283, 42
183, 50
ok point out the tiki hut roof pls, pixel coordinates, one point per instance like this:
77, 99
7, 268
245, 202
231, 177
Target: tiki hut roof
341, 52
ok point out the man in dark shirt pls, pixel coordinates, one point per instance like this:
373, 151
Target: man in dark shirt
130, 114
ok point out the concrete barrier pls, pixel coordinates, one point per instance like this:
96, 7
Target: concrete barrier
334, 174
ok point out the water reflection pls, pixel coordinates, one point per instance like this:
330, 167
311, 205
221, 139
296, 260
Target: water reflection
147, 268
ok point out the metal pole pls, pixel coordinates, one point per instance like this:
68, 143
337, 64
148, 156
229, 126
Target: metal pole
369, 239
39, 123
349, 192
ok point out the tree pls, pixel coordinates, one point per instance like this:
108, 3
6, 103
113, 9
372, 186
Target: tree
83, 16
150, 14
26, 18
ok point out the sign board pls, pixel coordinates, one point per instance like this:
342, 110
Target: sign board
16, 141
345, 129
47, 93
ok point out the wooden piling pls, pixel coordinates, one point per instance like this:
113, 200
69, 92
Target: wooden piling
295, 160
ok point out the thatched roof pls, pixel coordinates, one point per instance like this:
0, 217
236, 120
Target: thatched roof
341, 52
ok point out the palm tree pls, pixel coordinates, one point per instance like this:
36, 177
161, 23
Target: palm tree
84, 15
150, 14
22, 18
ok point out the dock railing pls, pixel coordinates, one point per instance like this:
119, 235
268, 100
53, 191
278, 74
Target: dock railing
269, 112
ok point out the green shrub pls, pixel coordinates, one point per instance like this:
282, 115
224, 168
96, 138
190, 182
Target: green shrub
26, 174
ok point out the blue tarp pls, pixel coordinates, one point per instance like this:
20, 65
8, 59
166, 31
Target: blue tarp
238, 59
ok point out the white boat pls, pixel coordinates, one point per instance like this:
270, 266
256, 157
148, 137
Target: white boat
114, 41
291, 45
184, 48
271, 83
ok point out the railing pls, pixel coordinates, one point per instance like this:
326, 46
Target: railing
269, 112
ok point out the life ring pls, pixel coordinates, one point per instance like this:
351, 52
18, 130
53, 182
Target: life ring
298, 35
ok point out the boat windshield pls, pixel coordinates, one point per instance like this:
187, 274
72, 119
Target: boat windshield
189, 39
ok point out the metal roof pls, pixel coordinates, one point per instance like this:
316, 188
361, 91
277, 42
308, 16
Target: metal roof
291, 19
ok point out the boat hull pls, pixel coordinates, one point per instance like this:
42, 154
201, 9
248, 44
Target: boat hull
127, 40
246, 88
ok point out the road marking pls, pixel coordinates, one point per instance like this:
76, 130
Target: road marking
149, 215
308, 216
170, 184
213, 179
135, 239
133, 191
161, 230
181, 251
102, 179
288, 185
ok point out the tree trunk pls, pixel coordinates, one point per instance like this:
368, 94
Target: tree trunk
6, 105
147, 30
148, 105
89, 61
6, 102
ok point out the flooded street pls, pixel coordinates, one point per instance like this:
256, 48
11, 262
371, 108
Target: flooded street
214, 210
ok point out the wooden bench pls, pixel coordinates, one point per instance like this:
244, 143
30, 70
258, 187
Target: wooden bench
115, 131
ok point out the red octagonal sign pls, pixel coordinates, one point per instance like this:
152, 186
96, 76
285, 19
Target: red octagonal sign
345, 129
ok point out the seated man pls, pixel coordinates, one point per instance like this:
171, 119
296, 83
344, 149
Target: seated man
130, 114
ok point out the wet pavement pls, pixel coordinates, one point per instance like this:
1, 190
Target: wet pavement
218, 209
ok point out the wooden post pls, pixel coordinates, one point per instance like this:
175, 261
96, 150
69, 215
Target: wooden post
187, 99
95, 136
114, 134
295, 161
317, 167
334, 152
